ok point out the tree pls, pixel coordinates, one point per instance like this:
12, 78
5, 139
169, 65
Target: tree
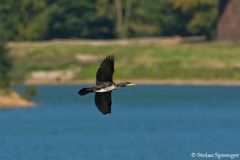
122, 12
5, 60
35, 17
119, 18
47, 19
202, 15
102, 19
157, 18
79, 19
23, 19
5, 66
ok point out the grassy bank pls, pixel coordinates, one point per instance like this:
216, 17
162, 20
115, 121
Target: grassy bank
205, 61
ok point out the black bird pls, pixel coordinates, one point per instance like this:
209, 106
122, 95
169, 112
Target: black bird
104, 85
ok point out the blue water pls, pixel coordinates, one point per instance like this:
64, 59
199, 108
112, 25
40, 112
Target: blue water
147, 123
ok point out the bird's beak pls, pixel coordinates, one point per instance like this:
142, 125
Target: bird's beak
131, 84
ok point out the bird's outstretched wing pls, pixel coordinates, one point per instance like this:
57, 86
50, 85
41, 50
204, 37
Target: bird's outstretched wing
103, 102
106, 70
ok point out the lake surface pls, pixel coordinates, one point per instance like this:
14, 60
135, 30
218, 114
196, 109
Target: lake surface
147, 123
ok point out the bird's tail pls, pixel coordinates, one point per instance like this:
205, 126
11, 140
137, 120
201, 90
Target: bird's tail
85, 91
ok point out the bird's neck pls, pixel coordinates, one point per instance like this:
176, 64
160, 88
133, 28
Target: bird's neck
123, 84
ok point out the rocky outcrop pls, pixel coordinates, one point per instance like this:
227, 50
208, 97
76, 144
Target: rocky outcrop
13, 100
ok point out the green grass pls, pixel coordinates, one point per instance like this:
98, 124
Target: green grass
205, 61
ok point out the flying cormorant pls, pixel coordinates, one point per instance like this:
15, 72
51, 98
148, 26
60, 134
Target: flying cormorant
104, 85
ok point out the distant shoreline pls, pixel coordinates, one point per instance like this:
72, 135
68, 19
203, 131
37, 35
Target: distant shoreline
143, 82
153, 61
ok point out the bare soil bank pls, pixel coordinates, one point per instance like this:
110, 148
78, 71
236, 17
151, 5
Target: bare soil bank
14, 100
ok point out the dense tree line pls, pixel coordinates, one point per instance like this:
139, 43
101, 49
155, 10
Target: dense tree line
49, 19
6, 62
5, 66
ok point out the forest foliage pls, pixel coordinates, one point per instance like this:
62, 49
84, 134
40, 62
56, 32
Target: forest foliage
105, 19
6, 63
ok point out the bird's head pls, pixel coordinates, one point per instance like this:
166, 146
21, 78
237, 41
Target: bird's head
125, 84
